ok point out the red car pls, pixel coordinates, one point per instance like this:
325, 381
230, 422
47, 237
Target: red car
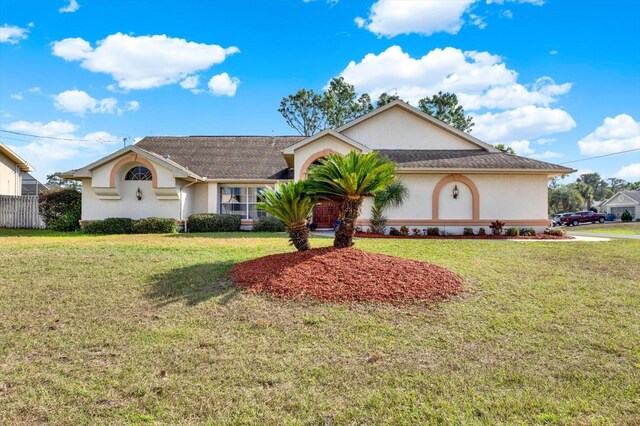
583, 217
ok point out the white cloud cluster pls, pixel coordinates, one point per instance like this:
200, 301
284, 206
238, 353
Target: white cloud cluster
143, 62
71, 7
630, 172
504, 110
480, 79
389, 18
49, 155
12, 34
80, 102
616, 134
223, 85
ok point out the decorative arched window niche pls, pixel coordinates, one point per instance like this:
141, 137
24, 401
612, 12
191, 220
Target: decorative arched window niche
139, 173
132, 163
461, 180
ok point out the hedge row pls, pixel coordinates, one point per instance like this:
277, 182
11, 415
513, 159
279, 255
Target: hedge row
209, 222
268, 224
124, 225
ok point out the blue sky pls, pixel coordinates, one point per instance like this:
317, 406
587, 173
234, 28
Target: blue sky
558, 80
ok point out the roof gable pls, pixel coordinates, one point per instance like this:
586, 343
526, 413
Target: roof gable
398, 125
630, 196
343, 138
22, 164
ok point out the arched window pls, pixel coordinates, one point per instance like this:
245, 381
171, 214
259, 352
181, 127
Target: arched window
138, 173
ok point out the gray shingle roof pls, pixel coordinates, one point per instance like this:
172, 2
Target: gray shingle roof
635, 195
464, 159
225, 157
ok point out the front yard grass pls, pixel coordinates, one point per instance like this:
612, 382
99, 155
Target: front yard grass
622, 228
148, 329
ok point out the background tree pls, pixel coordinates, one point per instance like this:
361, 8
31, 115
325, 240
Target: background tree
616, 184
595, 181
58, 182
292, 206
347, 180
586, 191
445, 107
304, 112
564, 198
386, 98
635, 186
505, 148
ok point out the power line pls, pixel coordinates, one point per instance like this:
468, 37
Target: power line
600, 156
52, 137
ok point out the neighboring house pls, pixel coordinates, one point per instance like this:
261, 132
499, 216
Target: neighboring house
623, 200
178, 176
31, 185
12, 168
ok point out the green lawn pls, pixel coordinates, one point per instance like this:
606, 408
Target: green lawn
628, 228
546, 333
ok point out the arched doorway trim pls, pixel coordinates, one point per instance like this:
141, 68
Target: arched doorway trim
312, 158
133, 158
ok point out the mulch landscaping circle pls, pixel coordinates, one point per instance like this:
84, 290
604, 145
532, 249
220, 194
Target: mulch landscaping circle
346, 275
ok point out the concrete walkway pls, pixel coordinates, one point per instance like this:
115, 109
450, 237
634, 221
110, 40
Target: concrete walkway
584, 237
603, 235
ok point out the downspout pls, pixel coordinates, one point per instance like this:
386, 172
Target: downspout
181, 192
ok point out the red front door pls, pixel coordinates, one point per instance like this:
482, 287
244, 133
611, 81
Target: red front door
325, 215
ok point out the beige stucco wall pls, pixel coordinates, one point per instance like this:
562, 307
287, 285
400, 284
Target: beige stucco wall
100, 175
518, 198
327, 142
94, 208
399, 129
10, 177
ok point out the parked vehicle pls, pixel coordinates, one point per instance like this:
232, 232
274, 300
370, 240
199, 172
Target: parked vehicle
583, 217
557, 219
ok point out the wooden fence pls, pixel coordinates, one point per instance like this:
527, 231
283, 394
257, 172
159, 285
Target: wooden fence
20, 212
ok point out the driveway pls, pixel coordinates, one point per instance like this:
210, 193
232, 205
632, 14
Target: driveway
603, 235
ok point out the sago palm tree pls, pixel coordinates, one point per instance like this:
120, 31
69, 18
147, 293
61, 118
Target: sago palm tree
289, 203
348, 180
392, 196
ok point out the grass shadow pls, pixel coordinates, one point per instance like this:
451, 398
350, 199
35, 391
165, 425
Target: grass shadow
193, 285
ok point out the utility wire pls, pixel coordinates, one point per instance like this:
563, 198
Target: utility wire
600, 156
52, 137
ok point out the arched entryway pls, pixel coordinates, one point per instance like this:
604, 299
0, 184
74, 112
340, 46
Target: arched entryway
325, 214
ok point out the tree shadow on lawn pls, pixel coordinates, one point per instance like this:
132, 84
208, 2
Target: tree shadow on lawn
198, 283
194, 284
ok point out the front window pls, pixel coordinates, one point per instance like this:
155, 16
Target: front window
139, 173
241, 200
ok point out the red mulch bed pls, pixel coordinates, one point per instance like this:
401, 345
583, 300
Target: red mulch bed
346, 275
466, 237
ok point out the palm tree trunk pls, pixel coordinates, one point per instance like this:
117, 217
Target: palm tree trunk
349, 211
299, 236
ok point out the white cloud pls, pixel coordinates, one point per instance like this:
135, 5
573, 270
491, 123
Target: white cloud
390, 18
616, 134
222, 84
70, 8
521, 123
12, 34
521, 147
478, 21
143, 62
630, 172
544, 141
133, 106
17, 96
507, 14
190, 82
80, 102
480, 79
34, 89
553, 52
53, 155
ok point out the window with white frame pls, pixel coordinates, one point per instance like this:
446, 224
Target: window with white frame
241, 201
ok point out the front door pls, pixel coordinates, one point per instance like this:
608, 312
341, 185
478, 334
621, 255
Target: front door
325, 215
